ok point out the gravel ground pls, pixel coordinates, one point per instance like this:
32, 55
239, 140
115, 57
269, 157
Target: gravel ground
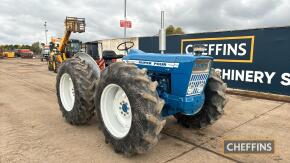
33, 130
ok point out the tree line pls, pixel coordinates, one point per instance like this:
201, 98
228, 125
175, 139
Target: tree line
14, 47
35, 47
171, 30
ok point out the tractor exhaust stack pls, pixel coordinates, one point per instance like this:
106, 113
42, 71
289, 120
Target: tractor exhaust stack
162, 35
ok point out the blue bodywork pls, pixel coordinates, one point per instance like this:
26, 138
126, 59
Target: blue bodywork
174, 73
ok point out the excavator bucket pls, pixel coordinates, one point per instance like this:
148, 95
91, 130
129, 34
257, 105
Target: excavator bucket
75, 25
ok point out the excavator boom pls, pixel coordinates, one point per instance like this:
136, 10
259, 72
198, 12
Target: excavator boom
72, 24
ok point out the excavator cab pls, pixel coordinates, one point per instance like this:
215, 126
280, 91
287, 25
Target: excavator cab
73, 47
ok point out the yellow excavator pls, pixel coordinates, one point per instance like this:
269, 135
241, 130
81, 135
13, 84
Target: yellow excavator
66, 47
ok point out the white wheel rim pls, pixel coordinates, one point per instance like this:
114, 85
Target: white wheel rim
67, 93
116, 111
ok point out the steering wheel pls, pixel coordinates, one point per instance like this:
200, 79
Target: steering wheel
126, 48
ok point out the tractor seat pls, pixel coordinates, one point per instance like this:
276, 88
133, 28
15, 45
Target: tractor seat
110, 54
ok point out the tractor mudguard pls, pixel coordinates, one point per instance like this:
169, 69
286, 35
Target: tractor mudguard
91, 61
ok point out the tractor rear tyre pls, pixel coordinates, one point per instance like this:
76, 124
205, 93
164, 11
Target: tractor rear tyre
128, 108
75, 90
212, 110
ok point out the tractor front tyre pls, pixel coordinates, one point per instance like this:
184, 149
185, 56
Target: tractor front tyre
128, 108
213, 108
75, 90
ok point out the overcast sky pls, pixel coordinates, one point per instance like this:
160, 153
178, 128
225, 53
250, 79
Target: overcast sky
21, 21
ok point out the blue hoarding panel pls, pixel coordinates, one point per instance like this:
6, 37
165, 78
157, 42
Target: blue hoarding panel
256, 59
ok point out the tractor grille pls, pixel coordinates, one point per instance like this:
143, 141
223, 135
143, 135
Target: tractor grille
196, 84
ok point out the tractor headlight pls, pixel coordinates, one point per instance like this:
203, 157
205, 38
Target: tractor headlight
200, 87
197, 84
190, 89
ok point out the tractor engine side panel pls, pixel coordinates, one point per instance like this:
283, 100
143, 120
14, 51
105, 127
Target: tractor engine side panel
173, 73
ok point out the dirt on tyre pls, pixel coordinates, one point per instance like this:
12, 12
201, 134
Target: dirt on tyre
213, 108
128, 108
75, 90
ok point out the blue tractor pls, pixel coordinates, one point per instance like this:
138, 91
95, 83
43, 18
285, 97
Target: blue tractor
132, 98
